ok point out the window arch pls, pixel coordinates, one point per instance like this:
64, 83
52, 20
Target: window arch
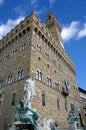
56, 85
49, 83
20, 74
43, 99
39, 75
38, 47
20, 35
14, 52
58, 104
28, 29
1, 83
9, 79
24, 32
13, 99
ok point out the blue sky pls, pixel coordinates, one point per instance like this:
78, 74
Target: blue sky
71, 15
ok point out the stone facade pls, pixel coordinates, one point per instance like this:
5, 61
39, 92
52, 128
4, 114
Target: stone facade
33, 48
83, 101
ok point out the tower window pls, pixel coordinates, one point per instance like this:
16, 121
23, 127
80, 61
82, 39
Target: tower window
58, 104
13, 99
56, 85
47, 55
1, 83
49, 83
20, 74
24, 46
49, 17
14, 52
9, 79
24, 32
39, 75
7, 58
38, 47
43, 99
65, 104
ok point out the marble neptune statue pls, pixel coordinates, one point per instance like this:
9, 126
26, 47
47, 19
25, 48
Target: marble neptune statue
29, 92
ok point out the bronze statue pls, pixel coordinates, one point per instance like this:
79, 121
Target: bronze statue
23, 115
72, 115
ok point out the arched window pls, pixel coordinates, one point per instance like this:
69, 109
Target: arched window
14, 52
24, 32
38, 47
43, 99
57, 85
24, 46
1, 83
39, 75
58, 104
20, 35
9, 79
49, 83
13, 99
28, 29
20, 74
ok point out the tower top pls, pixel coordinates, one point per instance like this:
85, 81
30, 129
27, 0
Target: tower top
54, 27
52, 20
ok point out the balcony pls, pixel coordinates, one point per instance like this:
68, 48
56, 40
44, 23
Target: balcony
65, 92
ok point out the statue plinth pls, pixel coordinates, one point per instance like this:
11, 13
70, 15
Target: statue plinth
23, 125
73, 125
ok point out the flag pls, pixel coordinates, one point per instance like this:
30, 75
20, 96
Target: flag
67, 84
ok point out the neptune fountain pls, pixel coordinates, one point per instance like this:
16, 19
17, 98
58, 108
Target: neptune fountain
26, 118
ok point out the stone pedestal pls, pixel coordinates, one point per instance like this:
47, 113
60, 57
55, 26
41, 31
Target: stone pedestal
19, 125
23, 126
73, 125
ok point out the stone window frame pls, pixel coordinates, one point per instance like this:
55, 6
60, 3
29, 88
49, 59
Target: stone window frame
24, 45
1, 83
54, 61
38, 74
0, 61
65, 103
38, 47
58, 103
46, 55
14, 52
49, 81
56, 85
13, 99
43, 99
24, 32
9, 79
20, 74
6, 58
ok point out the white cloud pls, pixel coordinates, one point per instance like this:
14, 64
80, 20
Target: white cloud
20, 10
5, 28
33, 1
70, 31
52, 2
1, 1
39, 12
82, 32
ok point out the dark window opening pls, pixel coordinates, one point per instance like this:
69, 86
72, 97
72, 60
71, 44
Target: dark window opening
43, 99
13, 99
